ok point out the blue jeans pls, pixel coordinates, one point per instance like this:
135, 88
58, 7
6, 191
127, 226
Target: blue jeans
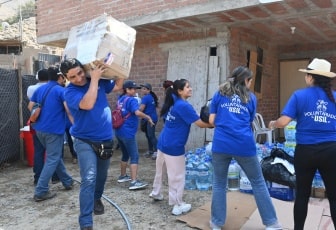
93, 171
129, 149
151, 138
53, 143
251, 167
39, 151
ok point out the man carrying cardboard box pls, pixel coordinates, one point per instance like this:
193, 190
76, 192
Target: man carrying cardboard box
86, 99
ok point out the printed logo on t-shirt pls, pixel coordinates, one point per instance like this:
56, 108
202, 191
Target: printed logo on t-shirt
320, 115
169, 116
235, 105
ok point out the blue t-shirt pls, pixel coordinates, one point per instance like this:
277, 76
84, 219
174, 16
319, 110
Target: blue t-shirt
315, 115
130, 126
175, 132
150, 108
68, 123
52, 116
94, 124
233, 132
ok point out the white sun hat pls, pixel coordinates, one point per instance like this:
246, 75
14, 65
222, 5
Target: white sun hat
320, 67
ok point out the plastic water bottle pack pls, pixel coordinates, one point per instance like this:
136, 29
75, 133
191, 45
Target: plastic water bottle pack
198, 169
190, 180
245, 184
202, 180
290, 131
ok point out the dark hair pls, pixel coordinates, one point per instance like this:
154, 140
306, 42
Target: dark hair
167, 83
68, 64
53, 73
325, 84
156, 99
236, 84
169, 100
42, 75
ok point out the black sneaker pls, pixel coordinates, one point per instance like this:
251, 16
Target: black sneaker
55, 181
69, 187
46, 196
148, 154
98, 208
87, 228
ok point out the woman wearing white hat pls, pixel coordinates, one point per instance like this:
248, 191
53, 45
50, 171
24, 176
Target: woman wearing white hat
314, 109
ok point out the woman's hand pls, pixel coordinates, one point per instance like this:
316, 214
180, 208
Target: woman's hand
144, 116
271, 125
150, 121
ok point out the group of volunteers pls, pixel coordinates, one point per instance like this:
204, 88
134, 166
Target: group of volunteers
232, 110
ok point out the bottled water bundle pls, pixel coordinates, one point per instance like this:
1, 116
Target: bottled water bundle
290, 131
203, 175
190, 179
198, 169
245, 184
264, 150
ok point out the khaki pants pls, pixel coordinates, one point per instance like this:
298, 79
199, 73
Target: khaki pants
176, 176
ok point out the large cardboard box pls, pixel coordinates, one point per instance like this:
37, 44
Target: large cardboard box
102, 40
242, 214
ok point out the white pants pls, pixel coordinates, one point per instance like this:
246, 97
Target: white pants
176, 176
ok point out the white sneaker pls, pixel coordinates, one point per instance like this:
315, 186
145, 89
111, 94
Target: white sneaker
154, 156
156, 197
275, 226
182, 208
213, 226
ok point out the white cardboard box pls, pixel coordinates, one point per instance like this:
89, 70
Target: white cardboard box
103, 40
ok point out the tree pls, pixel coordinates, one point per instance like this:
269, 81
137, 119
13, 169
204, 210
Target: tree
27, 11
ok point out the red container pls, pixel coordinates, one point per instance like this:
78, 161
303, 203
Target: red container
27, 136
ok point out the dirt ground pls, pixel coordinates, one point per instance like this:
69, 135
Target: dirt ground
19, 210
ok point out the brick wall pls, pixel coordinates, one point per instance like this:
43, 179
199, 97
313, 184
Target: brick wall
76, 12
240, 43
150, 65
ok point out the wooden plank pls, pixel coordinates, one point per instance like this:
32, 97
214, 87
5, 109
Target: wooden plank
213, 83
191, 63
253, 67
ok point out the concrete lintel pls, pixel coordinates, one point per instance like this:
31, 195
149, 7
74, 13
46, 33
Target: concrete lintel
305, 54
54, 38
191, 10
211, 42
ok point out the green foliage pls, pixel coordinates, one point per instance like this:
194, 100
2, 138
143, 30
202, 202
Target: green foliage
27, 11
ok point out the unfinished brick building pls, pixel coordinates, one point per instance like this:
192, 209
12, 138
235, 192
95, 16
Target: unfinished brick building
203, 40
